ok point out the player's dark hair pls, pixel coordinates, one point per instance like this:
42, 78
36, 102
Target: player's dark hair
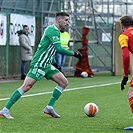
126, 20
61, 14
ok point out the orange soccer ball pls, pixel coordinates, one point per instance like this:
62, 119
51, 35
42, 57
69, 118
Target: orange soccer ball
91, 109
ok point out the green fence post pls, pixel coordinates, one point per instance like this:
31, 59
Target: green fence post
7, 47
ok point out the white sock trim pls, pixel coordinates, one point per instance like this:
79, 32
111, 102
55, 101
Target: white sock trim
20, 91
59, 88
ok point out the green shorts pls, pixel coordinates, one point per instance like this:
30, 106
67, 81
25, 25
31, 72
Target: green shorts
38, 73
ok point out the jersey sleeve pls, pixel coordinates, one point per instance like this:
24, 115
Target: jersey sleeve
126, 60
54, 36
123, 40
61, 50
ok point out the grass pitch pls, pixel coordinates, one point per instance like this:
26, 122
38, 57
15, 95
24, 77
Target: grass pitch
104, 90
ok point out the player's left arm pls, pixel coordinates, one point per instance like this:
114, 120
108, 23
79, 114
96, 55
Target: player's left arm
55, 39
67, 52
61, 50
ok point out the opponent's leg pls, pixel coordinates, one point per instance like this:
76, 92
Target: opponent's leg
130, 98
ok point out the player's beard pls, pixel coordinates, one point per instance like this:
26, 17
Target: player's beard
62, 27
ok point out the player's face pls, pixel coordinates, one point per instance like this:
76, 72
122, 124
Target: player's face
63, 22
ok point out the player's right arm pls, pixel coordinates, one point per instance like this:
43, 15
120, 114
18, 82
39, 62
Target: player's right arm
123, 40
126, 60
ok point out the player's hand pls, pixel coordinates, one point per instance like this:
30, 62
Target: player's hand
124, 82
57, 66
77, 55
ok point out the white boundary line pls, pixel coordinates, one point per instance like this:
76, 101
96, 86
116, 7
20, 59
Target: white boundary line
69, 89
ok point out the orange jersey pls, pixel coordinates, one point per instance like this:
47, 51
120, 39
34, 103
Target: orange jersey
126, 39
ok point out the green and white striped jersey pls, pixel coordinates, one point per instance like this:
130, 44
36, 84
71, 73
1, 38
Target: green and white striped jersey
49, 44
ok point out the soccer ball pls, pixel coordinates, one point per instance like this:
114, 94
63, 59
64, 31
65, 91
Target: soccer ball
84, 74
91, 109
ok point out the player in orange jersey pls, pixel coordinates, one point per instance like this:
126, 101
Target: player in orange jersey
126, 43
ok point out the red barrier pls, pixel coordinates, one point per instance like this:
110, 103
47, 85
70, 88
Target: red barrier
83, 64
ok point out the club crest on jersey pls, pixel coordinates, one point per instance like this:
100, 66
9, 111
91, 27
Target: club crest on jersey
55, 38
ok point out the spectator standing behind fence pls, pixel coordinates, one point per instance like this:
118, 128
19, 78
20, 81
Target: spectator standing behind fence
25, 49
60, 58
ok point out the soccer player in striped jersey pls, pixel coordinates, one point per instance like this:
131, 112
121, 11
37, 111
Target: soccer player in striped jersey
126, 43
42, 65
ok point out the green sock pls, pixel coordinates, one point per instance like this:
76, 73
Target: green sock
15, 96
56, 94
